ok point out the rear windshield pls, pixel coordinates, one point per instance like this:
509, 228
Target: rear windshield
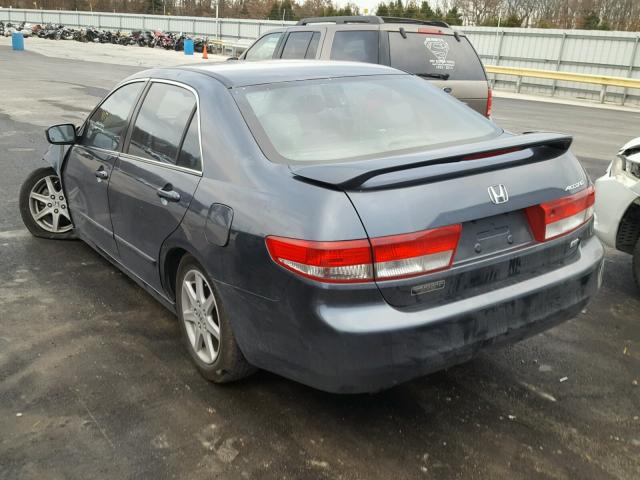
428, 54
355, 118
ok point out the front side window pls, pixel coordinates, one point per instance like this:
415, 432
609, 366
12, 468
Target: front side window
263, 49
355, 118
161, 122
107, 126
355, 45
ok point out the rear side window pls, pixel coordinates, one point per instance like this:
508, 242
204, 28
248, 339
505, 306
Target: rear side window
313, 46
355, 45
263, 49
301, 45
108, 124
161, 122
190, 153
296, 46
435, 54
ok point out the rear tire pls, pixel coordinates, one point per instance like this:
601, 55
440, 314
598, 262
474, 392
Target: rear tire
636, 263
206, 330
43, 206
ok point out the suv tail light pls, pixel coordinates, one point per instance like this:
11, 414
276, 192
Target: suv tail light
430, 30
559, 217
381, 258
489, 103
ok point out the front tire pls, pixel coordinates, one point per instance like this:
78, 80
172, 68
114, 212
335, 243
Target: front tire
206, 330
43, 206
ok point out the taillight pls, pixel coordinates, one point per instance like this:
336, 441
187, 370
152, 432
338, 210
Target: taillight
559, 217
381, 258
413, 254
430, 30
492, 153
347, 261
489, 103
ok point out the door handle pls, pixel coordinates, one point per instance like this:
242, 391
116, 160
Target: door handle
169, 195
102, 173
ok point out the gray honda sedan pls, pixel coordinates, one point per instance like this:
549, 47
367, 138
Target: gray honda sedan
345, 225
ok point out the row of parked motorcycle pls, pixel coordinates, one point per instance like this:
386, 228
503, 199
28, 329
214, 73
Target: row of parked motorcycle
152, 39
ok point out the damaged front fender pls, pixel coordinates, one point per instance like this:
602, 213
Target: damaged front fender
55, 156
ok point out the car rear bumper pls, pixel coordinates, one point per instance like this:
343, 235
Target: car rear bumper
364, 347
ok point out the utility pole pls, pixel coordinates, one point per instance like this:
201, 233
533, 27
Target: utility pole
497, 35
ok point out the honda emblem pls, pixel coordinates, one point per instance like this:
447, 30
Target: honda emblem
498, 194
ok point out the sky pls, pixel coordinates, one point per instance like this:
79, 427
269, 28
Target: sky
373, 4
370, 4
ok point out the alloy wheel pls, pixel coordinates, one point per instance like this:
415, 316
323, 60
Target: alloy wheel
200, 316
48, 205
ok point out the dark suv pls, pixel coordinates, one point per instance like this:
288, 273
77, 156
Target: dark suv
429, 49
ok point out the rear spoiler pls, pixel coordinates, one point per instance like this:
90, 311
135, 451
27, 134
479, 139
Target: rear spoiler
454, 161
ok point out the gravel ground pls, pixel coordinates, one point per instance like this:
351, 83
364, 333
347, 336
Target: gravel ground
108, 53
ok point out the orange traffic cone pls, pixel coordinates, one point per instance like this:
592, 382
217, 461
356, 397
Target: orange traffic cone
205, 54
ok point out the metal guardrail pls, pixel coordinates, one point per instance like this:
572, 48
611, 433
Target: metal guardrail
603, 80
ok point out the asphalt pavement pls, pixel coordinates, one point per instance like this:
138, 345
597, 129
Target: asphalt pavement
95, 383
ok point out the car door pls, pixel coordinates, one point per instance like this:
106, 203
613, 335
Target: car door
156, 175
87, 171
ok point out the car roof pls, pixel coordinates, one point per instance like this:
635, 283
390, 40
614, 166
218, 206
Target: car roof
241, 74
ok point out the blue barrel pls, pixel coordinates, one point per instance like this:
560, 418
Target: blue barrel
17, 41
188, 46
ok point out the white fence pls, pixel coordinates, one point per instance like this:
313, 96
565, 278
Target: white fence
227, 29
578, 51
581, 51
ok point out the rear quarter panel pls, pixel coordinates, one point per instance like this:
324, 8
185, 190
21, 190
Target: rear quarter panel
264, 197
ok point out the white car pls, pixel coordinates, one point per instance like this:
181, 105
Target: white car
617, 210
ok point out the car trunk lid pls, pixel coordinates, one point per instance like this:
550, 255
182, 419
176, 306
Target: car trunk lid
401, 195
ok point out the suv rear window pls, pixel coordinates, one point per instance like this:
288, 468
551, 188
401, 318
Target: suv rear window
355, 118
440, 54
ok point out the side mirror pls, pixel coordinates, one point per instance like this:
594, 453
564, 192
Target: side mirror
64, 134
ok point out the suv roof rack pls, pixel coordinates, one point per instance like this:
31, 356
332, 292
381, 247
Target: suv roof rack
434, 23
342, 19
371, 19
